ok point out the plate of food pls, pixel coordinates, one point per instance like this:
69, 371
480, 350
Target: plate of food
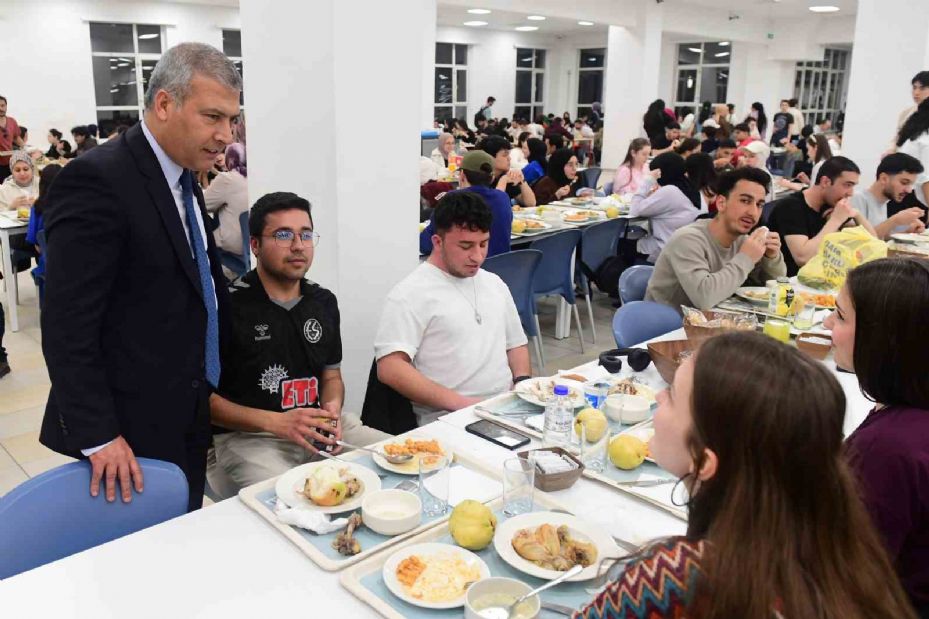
435, 576
579, 217
910, 237
547, 544
540, 391
579, 201
428, 450
821, 300
629, 386
528, 227
329, 486
756, 295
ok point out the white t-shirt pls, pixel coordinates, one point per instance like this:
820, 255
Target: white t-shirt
919, 148
874, 210
430, 316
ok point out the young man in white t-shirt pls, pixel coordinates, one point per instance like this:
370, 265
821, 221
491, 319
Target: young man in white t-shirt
450, 335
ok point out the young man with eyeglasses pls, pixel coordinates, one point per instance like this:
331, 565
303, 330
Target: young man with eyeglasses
281, 392
9, 137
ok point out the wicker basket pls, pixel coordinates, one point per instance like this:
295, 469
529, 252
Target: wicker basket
698, 333
666, 356
555, 481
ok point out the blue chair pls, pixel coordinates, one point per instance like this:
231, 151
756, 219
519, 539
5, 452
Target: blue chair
52, 516
639, 321
590, 176
238, 264
633, 282
598, 242
517, 269
608, 188
554, 273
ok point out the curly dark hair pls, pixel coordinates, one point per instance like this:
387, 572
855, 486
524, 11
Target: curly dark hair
464, 209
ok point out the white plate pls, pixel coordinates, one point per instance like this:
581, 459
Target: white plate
528, 232
743, 293
644, 432
583, 530
642, 389
409, 468
524, 390
289, 486
910, 237
389, 572
564, 217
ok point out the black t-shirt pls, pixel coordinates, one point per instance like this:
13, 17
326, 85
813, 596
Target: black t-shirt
275, 357
792, 215
513, 190
660, 142
781, 125
709, 145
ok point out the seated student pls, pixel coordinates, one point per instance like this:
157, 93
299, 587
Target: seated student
702, 175
557, 128
57, 147
709, 143
475, 178
879, 331
670, 205
896, 175
764, 539
803, 219
21, 187
755, 155
519, 154
723, 157
553, 142
687, 147
538, 160
450, 335
281, 391
83, 140
669, 141
227, 197
706, 262
632, 171
506, 179
561, 179
441, 152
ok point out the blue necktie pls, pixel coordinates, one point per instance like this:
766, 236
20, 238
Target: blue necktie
206, 281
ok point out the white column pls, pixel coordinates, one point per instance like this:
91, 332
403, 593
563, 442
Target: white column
633, 55
427, 20
316, 75
884, 61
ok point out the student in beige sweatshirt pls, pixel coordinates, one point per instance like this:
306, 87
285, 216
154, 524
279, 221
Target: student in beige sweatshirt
706, 262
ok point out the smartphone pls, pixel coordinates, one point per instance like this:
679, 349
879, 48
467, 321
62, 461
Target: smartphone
497, 434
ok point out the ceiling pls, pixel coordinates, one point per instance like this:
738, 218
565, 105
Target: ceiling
455, 16
773, 8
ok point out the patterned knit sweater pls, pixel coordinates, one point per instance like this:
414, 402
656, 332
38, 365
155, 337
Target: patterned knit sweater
659, 586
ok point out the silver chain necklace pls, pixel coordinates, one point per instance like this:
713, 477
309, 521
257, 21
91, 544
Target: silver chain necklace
477, 314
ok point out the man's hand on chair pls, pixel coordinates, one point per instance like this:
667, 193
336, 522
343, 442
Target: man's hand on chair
116, 460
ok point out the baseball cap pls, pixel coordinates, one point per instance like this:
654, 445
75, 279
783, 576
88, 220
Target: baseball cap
709, 122
757, 148
477, 161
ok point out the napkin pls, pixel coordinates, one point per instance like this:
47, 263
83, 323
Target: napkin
311, 520
463, 483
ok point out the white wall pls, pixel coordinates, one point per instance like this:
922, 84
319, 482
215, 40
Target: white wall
46, 67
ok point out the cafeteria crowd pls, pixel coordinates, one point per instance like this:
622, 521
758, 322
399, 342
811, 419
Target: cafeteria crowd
242, 380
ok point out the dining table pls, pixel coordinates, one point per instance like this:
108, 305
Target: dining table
226, 561
10, 226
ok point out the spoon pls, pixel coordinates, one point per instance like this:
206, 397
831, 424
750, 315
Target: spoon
505, 612
392, 459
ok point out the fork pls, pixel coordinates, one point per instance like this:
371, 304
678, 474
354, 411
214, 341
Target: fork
329, 456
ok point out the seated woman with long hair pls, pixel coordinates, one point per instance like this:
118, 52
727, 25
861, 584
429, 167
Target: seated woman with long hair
536, 158
879, 330
631, 172
753, 429
674, 203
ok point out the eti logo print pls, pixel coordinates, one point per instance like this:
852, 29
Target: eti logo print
312, 331
271, 378
299, 392
262, 333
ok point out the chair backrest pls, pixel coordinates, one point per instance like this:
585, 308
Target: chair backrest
639, 321
554, 272
52, 516
766, 211
633, 282
590, 176
599, 242
608, 188
246, 247
517, 269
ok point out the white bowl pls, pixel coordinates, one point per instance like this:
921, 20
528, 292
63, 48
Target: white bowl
492, 586
391, 512
626, 408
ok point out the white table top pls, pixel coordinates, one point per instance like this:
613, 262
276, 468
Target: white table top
8, 221
225, 561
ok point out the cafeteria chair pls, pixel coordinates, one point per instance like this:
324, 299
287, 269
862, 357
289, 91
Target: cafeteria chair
633, 282
598, 243
639, 321
766, 211
590, 176
52, 516
236, 263
554, 274
517, 269
608, 188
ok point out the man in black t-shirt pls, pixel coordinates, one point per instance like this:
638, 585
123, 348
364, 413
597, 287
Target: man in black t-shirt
805, 218
281, 390
505, 179
669, 141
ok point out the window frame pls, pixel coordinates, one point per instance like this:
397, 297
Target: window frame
826, 77
694, 106
137, 58
453, 68
535, 72
580, 69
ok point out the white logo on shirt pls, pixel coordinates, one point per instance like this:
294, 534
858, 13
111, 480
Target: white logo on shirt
312, 331
271, 378
262, 333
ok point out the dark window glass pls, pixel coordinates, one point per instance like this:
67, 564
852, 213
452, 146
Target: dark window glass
689, 53
540, 59
232, 43
461, 111
539, 84
107, 120
461, 54
524, 58
524, 86
714, 53
714, 84
443, 53
443, 113
149, 39
114, 81
687, 85
111, 38
592, 58
461, 93
590, 86
443, 85
522, 111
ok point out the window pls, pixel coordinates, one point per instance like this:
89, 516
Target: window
451, 81
590, 71
702, 75
232, 47
821, 87
123, 58
530, 83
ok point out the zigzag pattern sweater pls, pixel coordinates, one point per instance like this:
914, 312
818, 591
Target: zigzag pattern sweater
658, 586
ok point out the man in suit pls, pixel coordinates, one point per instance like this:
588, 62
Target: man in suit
134, 285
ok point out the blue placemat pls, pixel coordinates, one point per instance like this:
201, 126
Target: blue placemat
570, 594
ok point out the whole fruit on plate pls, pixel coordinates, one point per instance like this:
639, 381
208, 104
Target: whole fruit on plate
612, 212
472, 525
627, 451
594, 423
519, 226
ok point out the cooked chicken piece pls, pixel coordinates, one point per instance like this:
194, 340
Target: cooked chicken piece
344, 543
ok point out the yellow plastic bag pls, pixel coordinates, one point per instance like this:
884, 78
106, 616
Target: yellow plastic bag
839, 253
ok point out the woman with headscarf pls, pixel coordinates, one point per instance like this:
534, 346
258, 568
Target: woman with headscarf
535, 169
445, 148
561, 179
21, 188
668, 199
227, 196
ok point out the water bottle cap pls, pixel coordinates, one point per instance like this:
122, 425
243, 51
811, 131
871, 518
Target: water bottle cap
561, 390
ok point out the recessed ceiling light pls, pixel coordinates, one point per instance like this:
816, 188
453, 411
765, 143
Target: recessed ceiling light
585, 23
825, 8
695, 50
721, 54
536, 18
479, 11
114, 89
150, 35
526, 28
724, 43
123, 64
475, 23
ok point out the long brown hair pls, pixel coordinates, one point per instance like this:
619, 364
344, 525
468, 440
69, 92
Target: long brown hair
823, 150
634, 146
784, 524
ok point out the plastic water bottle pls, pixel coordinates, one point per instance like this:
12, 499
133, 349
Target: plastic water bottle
559, 420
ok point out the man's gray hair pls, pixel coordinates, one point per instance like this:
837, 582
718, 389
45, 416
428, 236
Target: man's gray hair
178, 66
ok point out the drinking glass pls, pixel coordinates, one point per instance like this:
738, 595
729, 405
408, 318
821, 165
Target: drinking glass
518, 484
777, 328
593, 453
433, 485
806, 309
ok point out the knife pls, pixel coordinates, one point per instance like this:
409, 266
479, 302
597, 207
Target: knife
558, 608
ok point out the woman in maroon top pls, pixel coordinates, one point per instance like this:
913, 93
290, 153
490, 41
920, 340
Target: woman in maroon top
880, 331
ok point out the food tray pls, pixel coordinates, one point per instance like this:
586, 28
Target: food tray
364, 580
261, 497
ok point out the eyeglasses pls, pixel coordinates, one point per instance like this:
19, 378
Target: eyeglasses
285, 238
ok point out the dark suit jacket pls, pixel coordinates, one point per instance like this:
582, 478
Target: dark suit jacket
124, 323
